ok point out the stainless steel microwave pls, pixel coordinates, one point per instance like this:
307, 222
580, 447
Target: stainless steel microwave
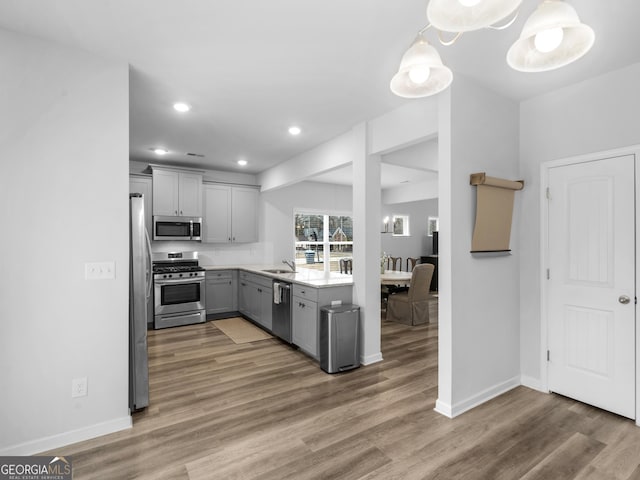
177, 228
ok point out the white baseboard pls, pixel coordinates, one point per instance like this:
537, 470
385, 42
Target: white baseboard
443, 408
533, 383
67, 438
459, 408
369, 359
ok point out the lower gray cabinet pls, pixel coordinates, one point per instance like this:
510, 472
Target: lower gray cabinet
255, 297
304, 330
221, 291
305, 314
266, 305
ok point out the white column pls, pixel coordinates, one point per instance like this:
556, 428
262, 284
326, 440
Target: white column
366, 241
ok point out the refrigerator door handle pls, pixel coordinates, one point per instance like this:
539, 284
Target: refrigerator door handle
149, 272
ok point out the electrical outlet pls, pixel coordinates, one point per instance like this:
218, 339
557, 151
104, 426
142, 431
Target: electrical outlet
100, 270
79, 387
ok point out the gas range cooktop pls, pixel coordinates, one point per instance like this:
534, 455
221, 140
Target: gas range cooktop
159, 268
176, 262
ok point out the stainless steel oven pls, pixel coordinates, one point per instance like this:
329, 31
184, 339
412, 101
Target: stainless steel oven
179, 290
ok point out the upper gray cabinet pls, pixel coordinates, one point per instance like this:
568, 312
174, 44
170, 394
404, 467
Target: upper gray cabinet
177, 193
230, 214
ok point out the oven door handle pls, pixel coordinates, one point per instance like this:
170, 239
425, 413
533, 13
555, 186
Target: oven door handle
172, 281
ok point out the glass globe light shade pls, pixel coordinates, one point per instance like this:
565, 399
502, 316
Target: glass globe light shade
541, 47
468, 15
421, 72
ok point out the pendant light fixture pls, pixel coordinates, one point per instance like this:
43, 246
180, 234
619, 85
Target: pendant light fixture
552, 37
467, 15
421, 71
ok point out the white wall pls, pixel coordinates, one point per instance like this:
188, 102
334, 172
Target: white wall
479, 297
418, 243
595, 115
64, 150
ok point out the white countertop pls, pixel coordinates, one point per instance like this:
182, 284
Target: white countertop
304, 276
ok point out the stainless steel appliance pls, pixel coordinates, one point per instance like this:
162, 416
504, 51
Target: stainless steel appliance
177, 228
139, 294
281, 310
179, 289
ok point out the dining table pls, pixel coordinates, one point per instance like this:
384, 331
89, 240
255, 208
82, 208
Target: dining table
395, 277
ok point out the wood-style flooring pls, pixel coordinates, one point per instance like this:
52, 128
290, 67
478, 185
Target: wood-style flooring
265, 411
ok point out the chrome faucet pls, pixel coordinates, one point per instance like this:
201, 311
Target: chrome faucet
291, 264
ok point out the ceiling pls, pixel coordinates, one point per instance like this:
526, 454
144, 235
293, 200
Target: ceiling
252, 68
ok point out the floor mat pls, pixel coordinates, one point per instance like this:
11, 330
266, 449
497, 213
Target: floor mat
240, 330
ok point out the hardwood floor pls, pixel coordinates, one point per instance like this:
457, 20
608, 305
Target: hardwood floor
265, 411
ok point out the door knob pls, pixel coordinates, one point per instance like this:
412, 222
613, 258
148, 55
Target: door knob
624, 299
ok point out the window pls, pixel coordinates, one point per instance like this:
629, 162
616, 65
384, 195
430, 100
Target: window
432, 225
401, 225
322, 240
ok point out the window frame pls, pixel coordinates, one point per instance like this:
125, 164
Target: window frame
324, 242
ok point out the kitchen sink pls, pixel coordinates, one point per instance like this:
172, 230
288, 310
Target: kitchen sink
277, 270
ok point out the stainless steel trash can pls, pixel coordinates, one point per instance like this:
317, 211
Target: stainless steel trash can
339, 338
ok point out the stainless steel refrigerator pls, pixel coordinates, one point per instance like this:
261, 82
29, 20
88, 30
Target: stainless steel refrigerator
139, 293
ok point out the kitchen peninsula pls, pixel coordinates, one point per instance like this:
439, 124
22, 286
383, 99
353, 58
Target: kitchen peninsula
248, 290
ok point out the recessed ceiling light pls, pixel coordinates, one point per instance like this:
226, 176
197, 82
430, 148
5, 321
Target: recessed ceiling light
293, 130
160, 151
242, 163
181, 107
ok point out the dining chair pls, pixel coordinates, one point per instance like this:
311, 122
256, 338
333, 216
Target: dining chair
411, 263
412, 307
394, 263
346, 265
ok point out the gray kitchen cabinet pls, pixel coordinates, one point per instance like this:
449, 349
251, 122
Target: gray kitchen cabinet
304, 328
221, 291
143, 184
230, 214
247, 296
305, 314
177, 193
244, 214
266, 302
255, 294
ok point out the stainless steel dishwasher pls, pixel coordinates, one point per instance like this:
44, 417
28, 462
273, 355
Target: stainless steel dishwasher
281, 326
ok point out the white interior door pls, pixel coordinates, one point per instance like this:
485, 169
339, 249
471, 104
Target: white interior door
591, 284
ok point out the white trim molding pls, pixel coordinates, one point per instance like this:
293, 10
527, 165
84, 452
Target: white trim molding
369, 359
484, 396
67, 438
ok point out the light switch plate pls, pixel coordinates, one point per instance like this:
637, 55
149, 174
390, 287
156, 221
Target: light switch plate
79, 387
100, 270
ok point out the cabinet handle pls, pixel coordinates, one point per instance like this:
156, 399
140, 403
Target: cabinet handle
229, 238
180, 212
176, 212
